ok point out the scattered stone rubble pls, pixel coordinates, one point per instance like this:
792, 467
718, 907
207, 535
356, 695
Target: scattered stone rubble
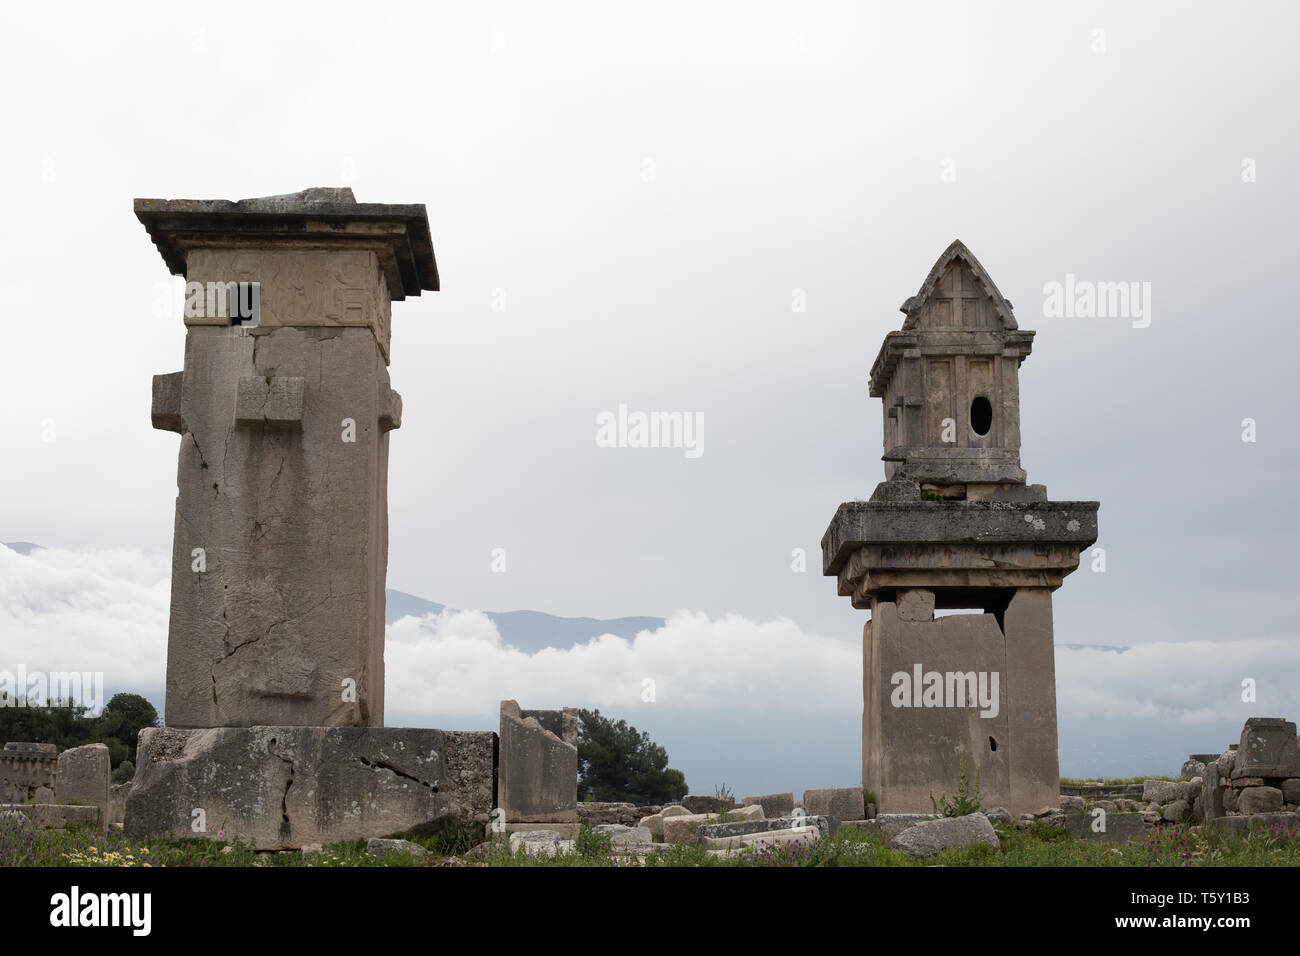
1263, 785
1256, 781
625, 814
1260, 778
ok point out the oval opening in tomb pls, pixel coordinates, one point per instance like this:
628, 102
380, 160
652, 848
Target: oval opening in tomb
981, 415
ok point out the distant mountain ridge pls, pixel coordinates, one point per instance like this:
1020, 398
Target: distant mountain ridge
533, 631
529, 631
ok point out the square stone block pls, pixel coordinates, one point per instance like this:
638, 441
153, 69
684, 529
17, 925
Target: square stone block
270, 400
538, 776
1110, 828
773, 804
916, 604
1268, 749
281, 788
82, 778
166, 411
843, 803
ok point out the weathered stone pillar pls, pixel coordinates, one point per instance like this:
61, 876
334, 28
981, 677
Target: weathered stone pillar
275, 658
82, 778
284, 408
954, 526
538, 771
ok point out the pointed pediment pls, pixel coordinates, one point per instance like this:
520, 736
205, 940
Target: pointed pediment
957, 295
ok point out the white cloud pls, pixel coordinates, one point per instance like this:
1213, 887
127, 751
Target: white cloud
87, 610
1191, 682
455, 663
107, 611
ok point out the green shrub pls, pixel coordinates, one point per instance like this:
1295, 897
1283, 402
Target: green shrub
726, 799
619, 762
593, 843
965, 802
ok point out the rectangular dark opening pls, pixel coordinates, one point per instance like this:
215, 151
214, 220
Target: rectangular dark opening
246, 304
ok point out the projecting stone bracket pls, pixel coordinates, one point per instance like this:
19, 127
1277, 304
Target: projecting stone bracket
166, 413
270, 400
390, 408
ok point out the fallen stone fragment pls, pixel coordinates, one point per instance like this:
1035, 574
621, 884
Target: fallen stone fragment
723, 831
998, 816
1260, 800
1111, 828
843, 803
793, 836
773, 804
540, 842
625, 836
1161, 791
933, 836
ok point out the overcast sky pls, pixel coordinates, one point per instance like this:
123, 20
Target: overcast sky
648, 190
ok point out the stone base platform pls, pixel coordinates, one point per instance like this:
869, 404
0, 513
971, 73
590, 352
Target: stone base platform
281, 788
54, 816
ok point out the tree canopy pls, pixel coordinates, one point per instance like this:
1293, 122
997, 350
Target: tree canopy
616, 762
68, 724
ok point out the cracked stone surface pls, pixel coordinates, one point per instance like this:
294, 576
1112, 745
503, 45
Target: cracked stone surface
286, 787
285, 623
281, 529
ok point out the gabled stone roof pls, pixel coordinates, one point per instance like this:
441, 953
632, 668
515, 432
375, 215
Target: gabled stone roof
957, 250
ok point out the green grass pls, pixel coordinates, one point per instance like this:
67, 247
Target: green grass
1039, 846
1110, 781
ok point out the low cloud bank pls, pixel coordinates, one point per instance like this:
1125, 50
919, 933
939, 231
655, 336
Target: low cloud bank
734, 700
